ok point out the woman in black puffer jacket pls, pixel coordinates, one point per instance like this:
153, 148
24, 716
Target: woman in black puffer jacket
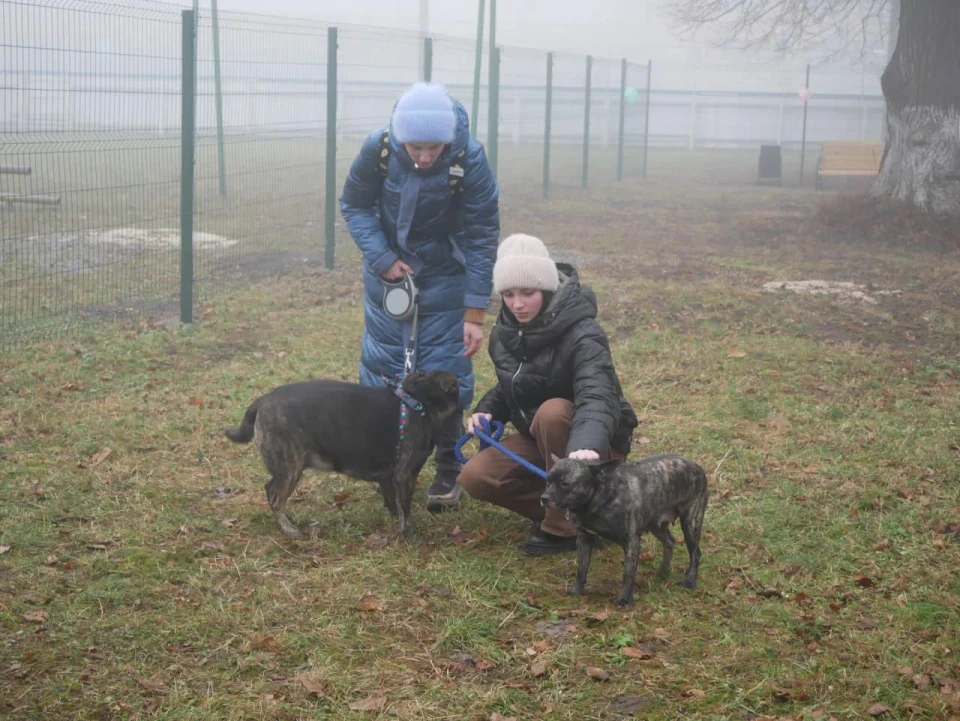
556, 384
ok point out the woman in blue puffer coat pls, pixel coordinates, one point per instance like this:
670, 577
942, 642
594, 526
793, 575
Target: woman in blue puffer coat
421, 199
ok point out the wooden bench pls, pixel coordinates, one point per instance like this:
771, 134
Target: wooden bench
841, 158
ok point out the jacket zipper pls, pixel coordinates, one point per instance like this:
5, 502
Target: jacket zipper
513, 384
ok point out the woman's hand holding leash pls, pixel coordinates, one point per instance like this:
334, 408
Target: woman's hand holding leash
396, 271
474, 421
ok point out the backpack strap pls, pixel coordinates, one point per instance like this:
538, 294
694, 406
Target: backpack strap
456, 168
383, 153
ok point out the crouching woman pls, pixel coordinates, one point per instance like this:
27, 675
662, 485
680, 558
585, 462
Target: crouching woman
556, 383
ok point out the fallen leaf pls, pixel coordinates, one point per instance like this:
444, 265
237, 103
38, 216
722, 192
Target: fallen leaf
922, 681
340, 497
900, 584
97, 546
371, 603
770, 593
538, 669
597, 673
878, 709
695, 693
312, 686
52, 560
884, 545
211, 546
5, 549
906, 670
229, 522
497, 717
628, 705
644, 441
780, 423
866, 624
643, 652
863, 581
36, 616
153, 684
70, 387
374, 703
100, 457
541, 645
375, 541
737, 354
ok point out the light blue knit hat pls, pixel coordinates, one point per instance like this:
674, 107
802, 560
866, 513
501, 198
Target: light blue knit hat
424, 114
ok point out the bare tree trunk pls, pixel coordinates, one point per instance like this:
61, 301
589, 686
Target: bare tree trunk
921, 164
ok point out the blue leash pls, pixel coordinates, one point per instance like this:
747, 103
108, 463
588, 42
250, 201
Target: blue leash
489, 436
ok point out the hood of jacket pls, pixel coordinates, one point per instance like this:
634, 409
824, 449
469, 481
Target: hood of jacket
570, 304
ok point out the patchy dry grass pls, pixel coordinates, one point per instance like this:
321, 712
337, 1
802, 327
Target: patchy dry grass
150, 581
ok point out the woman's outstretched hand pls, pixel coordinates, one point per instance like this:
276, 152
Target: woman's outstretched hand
584, 454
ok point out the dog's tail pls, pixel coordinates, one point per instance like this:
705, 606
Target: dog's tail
244, 434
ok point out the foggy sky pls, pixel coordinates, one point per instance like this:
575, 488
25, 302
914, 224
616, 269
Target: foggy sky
613, 28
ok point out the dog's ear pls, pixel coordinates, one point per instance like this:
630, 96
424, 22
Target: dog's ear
449, 383
553, 458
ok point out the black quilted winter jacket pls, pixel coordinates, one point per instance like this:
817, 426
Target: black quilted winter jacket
563, 353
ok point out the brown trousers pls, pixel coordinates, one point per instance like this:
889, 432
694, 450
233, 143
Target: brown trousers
493, 477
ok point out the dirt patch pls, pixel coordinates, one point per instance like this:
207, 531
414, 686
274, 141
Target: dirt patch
843, 290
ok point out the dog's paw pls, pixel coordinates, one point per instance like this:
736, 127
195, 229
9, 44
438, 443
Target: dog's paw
688, 583
624, 601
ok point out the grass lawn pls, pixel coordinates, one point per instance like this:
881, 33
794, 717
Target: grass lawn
142, 575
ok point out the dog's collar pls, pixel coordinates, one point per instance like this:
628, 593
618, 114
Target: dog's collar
405, 398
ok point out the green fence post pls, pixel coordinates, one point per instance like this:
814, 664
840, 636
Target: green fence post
586, 120
188, 118
330, 194
493, 125
427, 59
646, 122
803, 138
547, 128
623, 104
218, 90
477, 63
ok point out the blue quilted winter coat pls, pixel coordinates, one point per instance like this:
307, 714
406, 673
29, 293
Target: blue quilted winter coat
449, 240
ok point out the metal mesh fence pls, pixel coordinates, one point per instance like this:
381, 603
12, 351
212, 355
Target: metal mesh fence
90, 106
94, 207
260, 147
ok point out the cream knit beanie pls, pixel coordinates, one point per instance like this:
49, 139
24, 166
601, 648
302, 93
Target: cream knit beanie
524, 262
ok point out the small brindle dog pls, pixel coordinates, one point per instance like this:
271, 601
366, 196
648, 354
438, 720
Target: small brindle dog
621, 501
352, 429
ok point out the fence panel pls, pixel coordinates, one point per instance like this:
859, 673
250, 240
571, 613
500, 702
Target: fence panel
89, 117
259, 190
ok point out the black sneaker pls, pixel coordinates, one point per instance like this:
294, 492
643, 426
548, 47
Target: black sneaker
444, 494
541, 543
